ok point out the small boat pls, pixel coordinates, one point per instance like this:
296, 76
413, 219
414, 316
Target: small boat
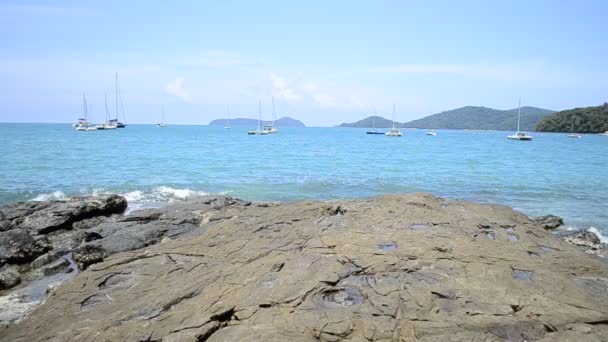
79, 122
259, 131
572, 134
433, 133
604, 134
374, 130
84, 125
162, 122
270, 129
108, 125
519, 135
393, 132
228, 121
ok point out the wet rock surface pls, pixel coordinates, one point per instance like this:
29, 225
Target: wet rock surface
393, 268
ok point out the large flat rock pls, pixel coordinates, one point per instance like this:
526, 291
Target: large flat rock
394, 268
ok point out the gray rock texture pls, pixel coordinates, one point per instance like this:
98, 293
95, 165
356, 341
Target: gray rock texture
393, 268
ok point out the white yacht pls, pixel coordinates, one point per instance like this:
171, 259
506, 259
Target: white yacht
270, 129
393, 132
108, 125
259, 131
519, 135
604, 134
83, 125
433, 133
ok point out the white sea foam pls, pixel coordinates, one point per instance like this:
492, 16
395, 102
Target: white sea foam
134, 196
603, 238
173, 193
55, 195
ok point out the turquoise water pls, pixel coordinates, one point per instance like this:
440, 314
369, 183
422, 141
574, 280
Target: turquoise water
552, 174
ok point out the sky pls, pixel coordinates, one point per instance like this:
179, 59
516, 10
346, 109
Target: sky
324, 62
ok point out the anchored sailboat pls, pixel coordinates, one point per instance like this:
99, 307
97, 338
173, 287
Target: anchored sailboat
270, 129
84, 125
115, 122
572, 134
162, 122
228, 121
259, 131
393, 132
519, 135
107, 125
374, 131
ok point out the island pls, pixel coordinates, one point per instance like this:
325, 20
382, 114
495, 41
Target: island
282, 122
578, 120
470, 117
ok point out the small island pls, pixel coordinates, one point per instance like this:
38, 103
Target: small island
282, 122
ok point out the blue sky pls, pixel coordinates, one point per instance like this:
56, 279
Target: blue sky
325, 62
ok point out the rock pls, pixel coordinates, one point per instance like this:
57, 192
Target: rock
587, 241
14, 308
301, 272
85, 256
9, 277
549, 221
46, 217
17, 246
58, 266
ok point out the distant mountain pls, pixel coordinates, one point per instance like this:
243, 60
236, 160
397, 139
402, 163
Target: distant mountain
586, 120
377, 121
471, 117
282, 122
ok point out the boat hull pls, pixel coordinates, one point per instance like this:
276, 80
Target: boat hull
375, 133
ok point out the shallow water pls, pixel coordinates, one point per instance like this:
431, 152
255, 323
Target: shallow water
552, 174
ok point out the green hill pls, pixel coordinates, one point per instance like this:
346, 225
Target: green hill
282, 122
586, 120
472, 117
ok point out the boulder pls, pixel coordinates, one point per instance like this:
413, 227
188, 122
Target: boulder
549, 221
9, 277
393, 268
18, 246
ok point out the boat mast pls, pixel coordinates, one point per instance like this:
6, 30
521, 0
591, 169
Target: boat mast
85, 110
116, 96
393, 116
518, 114
228, 111
260, 113
274, 113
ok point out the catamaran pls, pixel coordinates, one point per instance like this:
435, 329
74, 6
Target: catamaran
84, 125
107, 125
572, 134
519, 135
259, 131
162, 122
393, 132
270, 129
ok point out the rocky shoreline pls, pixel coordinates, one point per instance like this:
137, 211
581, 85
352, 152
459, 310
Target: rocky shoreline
410, 267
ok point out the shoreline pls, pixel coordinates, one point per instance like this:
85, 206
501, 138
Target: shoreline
57, 242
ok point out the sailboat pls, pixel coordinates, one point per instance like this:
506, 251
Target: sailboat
393, 132
228, 121
115, 122
107, 125
270, 129
162, 122
519, 135
374, 131
433, 133
84, 126
572, 134
259, 131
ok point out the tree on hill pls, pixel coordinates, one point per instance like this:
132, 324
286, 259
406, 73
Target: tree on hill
586, 120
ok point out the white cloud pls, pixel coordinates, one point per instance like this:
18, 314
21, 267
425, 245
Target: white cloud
176, 88
504, 72
282, 89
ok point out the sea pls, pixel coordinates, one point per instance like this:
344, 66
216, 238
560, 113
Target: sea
150, 166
